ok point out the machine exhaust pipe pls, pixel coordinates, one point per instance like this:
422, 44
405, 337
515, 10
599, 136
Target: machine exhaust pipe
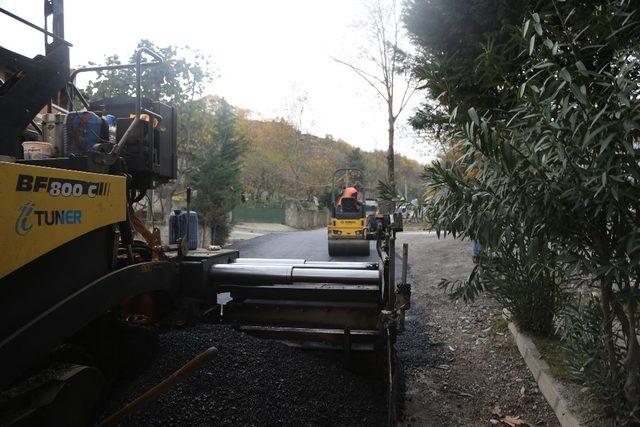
266, 274
303, 263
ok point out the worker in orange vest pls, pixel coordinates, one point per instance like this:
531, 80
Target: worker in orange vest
350, 192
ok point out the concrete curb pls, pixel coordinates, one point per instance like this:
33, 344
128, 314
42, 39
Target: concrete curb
541, 373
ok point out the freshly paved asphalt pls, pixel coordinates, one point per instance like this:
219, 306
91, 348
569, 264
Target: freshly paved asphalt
310, 245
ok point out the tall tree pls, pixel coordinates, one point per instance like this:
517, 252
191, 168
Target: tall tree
181, 77
466, 56
385, 67
215, 175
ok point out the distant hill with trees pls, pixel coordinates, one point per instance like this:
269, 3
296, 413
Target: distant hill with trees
282, 161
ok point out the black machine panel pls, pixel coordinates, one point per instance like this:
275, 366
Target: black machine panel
30, 85
149, 160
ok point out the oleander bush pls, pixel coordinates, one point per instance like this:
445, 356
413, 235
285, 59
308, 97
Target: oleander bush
540, 111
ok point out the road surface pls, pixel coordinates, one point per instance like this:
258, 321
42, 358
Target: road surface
311, 245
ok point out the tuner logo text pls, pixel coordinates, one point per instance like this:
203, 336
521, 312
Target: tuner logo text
29, 217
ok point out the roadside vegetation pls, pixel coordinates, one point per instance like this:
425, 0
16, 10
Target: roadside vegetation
537, 107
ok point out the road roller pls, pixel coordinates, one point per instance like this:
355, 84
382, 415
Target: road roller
85, 287
347, 232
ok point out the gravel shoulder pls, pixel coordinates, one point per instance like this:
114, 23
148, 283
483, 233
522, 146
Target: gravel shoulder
461, 366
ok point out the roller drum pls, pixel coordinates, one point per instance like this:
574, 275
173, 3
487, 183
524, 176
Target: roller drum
348, 247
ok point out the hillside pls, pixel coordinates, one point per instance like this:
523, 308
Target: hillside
281, 161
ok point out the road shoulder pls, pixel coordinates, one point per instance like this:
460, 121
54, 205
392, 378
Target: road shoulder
461, 366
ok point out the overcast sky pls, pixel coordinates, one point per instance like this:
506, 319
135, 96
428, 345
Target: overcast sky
265, 53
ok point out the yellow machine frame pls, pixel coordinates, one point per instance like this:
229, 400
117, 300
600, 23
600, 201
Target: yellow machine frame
347, 228
45, 208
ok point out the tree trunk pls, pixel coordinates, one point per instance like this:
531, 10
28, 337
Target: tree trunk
607, 320
391, 168
632, 360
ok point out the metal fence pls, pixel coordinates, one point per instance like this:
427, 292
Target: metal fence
275, 215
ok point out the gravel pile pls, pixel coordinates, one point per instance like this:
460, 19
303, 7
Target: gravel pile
251, 382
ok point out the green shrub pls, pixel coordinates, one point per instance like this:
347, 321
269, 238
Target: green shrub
533, 292
582, 333
530, 286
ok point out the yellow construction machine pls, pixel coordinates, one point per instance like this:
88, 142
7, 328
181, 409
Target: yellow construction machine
85, 286
347, 232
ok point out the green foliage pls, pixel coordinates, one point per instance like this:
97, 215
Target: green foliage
179, 79
532, 288
588, 361
467, 56
355, 159
528, 282
544, 161
555, 353
500, 325
390, 198
325, 200
215, 176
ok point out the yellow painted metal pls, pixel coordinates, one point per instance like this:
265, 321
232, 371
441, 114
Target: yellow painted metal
44, 208
346, 228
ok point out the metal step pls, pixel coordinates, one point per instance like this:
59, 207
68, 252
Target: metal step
306, 292
306, 314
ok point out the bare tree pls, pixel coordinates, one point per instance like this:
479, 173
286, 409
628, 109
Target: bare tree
384, 66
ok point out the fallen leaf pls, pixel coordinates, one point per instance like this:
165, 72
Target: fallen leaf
513, 421
497, 411
462, 393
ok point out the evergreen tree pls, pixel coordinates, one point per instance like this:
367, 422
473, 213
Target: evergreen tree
355, 159
215, 176
467, 56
